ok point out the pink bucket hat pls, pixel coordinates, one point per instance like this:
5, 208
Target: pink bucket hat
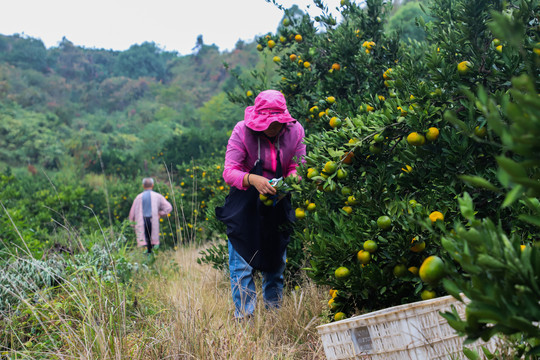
269, 106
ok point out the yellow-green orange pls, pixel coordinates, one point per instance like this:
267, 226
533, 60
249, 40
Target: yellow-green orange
399, 270
363, 257
464, 67
432, 269
370, 246
330, 167
311, 207
427, 294
342, 273
339, 316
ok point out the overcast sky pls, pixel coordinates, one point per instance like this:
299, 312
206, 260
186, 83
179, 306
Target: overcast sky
117, 24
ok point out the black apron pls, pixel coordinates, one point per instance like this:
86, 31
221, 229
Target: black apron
259, 233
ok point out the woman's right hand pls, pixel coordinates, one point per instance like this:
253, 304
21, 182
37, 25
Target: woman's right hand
261, 184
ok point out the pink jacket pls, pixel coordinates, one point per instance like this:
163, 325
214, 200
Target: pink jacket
242, 152
160, 207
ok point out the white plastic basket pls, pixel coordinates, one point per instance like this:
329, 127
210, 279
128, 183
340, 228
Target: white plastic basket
413, 331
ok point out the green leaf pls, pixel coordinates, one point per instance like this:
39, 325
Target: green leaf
471, 354
512, 196
511, 167
534, 220
479, 182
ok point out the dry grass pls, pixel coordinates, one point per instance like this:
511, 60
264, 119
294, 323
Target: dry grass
198, 323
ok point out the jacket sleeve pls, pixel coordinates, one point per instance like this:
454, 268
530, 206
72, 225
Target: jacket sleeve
300, 150
133, 210
165, 207
235, 156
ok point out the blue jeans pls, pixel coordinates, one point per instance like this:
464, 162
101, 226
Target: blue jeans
243, 287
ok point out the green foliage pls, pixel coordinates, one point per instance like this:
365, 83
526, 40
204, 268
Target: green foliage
385, 95
404, 22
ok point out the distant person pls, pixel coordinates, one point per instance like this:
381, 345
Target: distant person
267, 144
146, 210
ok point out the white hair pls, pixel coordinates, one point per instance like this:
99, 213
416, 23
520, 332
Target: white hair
148, 182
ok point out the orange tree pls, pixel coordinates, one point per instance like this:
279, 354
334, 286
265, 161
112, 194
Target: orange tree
383, 163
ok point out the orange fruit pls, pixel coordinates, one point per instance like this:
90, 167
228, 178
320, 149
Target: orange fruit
271, 43
418, 246
335, 123
311, 172
331, 99
339, 316
276, 59
436, 215
330, 167
293, 57
363, 257
480, 131
427, 294
260, 47
348, 158
464, 67
370, 246
416, 139
342, 273
341, 174
311, 207
307, 64
399, 270
432, 134
413, 270
347, 209
384, 222
300, 213
432, 269
298, 38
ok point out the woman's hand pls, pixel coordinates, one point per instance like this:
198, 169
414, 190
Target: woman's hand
261, 184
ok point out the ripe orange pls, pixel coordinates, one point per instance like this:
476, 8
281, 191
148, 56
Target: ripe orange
331, 99
347, 209
336, 67
271, 43
413, 270
342, 273
363, 257
300, 213
418, 246
464, 67
370, 246
298, 38
416, 139
432, 134
249, 93
335, 122
307, 64
348, 158
293, 57
436, 215
432, 269
384, 222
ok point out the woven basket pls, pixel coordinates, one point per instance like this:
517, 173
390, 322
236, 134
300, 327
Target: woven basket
413, 331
